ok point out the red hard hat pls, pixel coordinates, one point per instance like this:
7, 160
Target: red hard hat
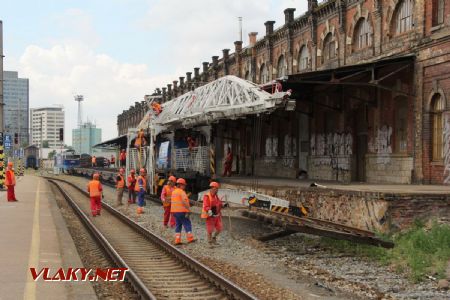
132, 171
214, 184
173, 179
142, 170
10, 164
123, 150
181, 181
96, 176
122, 170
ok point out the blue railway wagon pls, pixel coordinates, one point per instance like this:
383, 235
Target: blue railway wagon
67, 162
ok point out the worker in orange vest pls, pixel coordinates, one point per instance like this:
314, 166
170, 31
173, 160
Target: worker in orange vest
228, 163
180, 208
113, 161
140, 188
140, 139
94, 161
166, 195
10, 182
131, 182
95, 190
120, 184
123, 158
211, 211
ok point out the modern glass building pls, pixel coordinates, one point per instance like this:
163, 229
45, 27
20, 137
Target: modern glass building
17, 105
84, 138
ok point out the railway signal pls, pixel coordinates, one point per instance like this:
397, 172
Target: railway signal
61, 134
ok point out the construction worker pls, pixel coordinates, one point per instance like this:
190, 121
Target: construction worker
95, 190
180, 208
131, 182
140, 187
140, 139
211, 211
113, 161
94, 161
123, 158
166, 195
120, 184
228, 163
10, 182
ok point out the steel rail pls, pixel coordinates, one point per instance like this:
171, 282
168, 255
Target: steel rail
131, 276
215, 278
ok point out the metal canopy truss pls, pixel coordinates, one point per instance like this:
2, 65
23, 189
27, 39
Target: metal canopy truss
228, 97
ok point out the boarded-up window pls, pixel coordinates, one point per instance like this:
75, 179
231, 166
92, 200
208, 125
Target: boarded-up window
281, 67
403, 16
303, 59
263, 74
401, 124
437, 107
438, 12
329, 47
363, 34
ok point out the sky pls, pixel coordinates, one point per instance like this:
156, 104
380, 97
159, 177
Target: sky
113, 52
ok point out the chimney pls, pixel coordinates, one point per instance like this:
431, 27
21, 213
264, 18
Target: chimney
289, 15
196, 73
205, 66
312, 4
169, 91
164, 94
181, 85
269, 27
252, 38
175, 88
215, 61
226, 54
238, 46
188, 77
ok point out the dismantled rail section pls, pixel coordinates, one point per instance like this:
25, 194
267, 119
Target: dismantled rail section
293, 224
148, 274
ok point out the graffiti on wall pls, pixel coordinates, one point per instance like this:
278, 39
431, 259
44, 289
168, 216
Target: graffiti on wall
331, 144
381, 143
446, 153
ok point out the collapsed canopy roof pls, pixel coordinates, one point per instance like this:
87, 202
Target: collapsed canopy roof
228, 97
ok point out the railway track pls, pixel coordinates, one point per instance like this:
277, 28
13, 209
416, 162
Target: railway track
157, 270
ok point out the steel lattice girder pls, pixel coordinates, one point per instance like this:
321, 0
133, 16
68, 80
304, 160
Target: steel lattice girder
228, 97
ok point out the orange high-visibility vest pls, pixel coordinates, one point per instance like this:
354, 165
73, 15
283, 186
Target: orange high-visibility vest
121, 182
131, 182
10, 178
179, 201
169, 190
95, 188
93, 159
137, 188
204, 214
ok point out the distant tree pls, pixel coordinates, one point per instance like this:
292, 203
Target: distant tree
51, 154
45, 144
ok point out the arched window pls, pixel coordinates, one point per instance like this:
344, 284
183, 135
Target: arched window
437, 107
438, 12
281, 67
329, 48
403, 16
263, 74
303, 59
363, 34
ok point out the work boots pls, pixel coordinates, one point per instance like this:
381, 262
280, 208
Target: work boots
190, 237
177, 239
140, 210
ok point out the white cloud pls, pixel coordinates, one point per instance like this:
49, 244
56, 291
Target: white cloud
58, 73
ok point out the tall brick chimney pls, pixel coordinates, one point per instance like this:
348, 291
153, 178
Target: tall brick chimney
205, 71
269, 27
169, 91
237, 46
175, 88
312, 4
226, 53
196, 73
289, 15
252, 38
188, 77
164, 94
215, 60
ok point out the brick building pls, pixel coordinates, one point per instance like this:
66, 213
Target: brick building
371, 80
131, 117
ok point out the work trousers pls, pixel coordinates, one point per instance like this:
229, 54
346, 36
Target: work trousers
119, 196
122, 163
141, 200
227, 170
10, 194
168, 216
182, 221
96, 205
131, 195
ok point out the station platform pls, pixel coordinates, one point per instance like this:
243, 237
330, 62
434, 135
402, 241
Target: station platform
34, 234
284, 183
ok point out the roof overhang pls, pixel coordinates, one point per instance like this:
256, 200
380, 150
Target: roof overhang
117, 142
